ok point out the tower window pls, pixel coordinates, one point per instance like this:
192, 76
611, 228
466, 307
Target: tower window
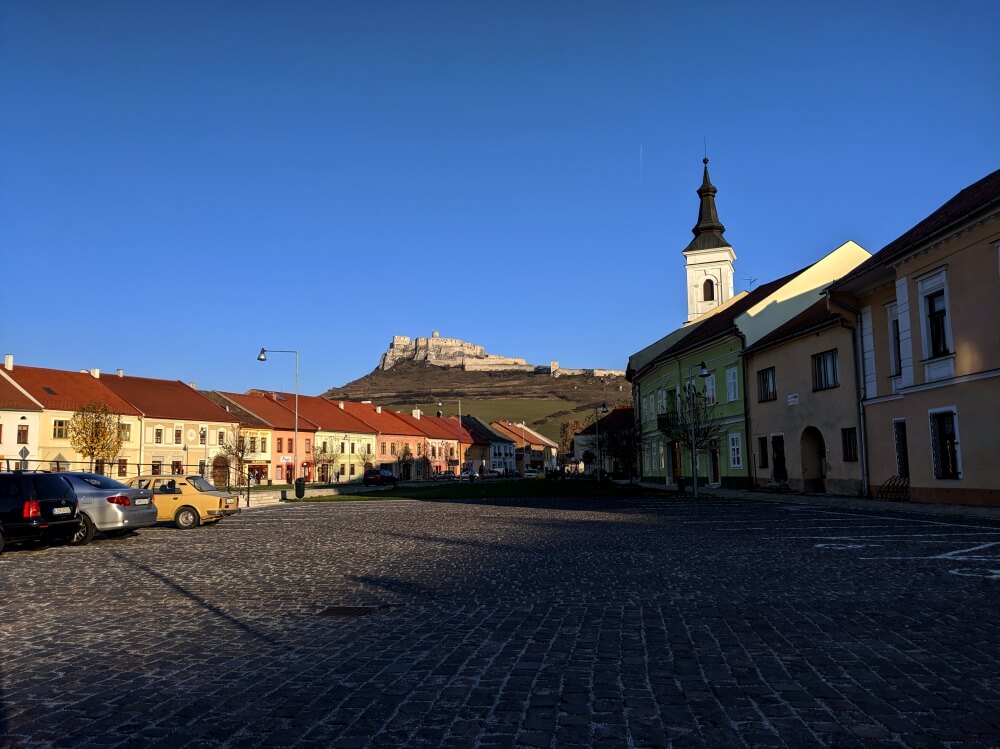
708, 291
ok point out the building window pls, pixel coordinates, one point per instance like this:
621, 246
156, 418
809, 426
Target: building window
451, 452
201, 467
263, 444
732, 386
382, 448
177, 436
735, 450
202, 436
308, 445
762, 452
766, 390
352, 448
158, 436
902, 451
22, 434
156, 468
352, 469
825, 375
710, 389
99, 466
944, 445
343, 469
895, 350
708, 291
60, 429
122, 467
222, 436
392, 448
241, 443
280, 442
936, 320
849, 443
176, 467
126, 432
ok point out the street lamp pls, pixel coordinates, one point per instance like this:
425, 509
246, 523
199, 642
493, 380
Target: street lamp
597, 427
694, 437
262, 356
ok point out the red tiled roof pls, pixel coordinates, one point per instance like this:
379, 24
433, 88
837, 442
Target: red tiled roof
451, 425
382, 420
245, 418
976, 197
62, 390
326, 415
426, 425
273, 413
812, 318
166, 399
12, 398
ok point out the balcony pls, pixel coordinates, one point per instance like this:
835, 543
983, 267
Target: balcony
668, 421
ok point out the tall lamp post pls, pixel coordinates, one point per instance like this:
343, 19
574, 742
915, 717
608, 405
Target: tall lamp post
703, 373
597, 427
262, 356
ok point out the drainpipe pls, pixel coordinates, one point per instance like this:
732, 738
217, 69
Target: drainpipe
859, 374
746, 412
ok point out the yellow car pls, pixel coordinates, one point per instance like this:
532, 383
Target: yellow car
188, 501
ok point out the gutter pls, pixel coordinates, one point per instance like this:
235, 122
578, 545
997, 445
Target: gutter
862, 421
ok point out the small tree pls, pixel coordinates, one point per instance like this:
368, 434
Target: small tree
96, 433
694, 424
567, 431
235, 451
403, 456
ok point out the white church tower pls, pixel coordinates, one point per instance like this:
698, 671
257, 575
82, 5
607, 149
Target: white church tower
709, 257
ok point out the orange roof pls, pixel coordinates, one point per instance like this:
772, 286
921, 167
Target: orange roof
325, 415
380, 419
12, 398
67, 391
426, 425
166, 399
450, 423
271, 412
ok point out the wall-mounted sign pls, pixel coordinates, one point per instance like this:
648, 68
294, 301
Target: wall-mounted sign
793, 399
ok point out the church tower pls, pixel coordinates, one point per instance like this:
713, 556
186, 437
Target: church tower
709, 258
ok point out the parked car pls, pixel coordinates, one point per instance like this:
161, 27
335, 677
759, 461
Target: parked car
187, 501
379, 477
108, 506
468, 476
36, 507
531, 473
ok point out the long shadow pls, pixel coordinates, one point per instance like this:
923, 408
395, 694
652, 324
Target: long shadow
197, 599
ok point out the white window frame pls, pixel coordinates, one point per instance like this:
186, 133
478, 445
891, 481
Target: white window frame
735, 450
941, 367
710, 389
953, 410
732, 385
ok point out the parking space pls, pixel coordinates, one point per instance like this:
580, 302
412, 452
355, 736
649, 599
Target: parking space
641, 623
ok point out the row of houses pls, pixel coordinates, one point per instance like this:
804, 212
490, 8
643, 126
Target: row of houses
168, 426
857, 374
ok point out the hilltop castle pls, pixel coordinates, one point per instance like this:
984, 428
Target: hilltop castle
454, 352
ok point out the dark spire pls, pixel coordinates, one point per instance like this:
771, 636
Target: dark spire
708, 232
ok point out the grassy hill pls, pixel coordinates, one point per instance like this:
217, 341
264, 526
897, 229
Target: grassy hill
542, 401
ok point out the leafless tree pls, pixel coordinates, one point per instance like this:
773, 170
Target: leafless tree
694, 422
235, 450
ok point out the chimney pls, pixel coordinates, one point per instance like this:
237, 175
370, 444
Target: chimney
120, 372
416, 413
95, 373
342, 405
8, 362
378, 409
439, 413
193, 385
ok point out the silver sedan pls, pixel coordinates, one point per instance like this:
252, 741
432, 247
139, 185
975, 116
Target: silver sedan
108, 506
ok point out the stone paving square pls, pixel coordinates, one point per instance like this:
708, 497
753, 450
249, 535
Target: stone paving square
721, 622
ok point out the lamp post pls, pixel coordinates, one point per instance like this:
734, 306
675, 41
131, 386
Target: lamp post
703, 373
597, 427
262, 356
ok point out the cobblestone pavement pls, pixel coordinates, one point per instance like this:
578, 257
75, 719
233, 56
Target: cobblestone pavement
642, 623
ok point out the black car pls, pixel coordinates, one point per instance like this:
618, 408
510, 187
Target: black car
379, 477
36, 507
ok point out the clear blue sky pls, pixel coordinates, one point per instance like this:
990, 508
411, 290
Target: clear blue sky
182, 183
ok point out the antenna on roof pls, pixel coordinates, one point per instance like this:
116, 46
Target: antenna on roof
750, 281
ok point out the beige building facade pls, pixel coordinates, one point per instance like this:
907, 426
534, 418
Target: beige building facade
927, 307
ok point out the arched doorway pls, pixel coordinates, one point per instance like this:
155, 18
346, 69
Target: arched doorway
813, 451
220, 472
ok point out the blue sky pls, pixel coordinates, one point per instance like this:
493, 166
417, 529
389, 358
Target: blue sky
182, 183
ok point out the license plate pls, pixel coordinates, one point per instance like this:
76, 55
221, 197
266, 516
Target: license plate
142, 501
62, 510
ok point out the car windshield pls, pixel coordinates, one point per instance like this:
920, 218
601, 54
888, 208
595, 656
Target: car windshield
101, 482
200, 483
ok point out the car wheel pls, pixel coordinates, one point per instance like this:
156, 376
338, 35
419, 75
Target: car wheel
186, 518
86, 532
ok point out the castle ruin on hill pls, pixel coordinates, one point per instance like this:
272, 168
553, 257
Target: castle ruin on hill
454, 352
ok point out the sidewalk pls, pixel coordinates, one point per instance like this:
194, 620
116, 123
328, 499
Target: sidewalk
269, 498
841, 502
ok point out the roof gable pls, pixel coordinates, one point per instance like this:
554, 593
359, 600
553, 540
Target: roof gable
59, 389
166, 399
